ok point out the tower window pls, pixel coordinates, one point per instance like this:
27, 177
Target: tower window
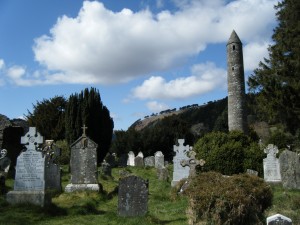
232, 68
233, 47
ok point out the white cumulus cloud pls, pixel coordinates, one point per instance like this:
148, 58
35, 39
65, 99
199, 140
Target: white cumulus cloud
205, 78
156, 107
102, 46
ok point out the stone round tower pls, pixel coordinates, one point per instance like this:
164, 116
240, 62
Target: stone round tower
236, 84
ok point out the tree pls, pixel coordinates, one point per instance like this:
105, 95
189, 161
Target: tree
86, 108
48, 117
276, 82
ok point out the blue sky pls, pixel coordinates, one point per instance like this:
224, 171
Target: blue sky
143, 56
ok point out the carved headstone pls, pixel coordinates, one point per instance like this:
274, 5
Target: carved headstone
131, 157
111, 159
52, 169
159, 159
149, 161
290, 169
132, 197
278, 219
192, 162
4, 167
271, 165
83, 165
106, 168
139, 161
29, 186
162, 173
180, 172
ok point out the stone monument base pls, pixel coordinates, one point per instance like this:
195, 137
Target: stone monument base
82, 187
40, 198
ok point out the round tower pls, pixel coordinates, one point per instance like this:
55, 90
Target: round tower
236, 84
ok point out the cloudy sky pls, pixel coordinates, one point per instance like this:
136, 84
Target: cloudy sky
144, 56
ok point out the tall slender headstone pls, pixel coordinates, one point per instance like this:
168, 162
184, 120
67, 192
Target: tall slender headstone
131, 157
180, 172
236, 84
29, 186
159, 159
290, 169
83, 165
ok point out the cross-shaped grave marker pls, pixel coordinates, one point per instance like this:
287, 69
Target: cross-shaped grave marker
192, 162
84, 128
32, 139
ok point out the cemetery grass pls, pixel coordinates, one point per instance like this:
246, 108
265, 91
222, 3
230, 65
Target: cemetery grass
94, 208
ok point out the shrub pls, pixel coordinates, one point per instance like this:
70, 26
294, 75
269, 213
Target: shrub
64, 159
229, 153
240, 199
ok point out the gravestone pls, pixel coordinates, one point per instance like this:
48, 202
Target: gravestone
159, 159
131, 157
29, 186
140, 154
83, 165
4, 167
162, 173
139, 161
252, 172
52, 168
111, 159
271, 164
192, 162
290, 169
106, 168
122, 161
149, 161
132, 197
278, 219
180, 172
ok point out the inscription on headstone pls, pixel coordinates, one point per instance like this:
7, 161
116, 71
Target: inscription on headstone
132, 197
271, 164
180, 172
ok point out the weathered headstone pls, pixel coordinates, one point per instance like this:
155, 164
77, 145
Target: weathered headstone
290, 169
106, 168
52, 169
131, 157
4, 167
192, 162
139, 161
83, 165
278, 219
149, 161
111, 159
162, 173
271, 165
159, 159
252, 172
180, 172
29, 186
132, 197
140, 154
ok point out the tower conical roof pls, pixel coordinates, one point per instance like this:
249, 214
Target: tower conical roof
234, 38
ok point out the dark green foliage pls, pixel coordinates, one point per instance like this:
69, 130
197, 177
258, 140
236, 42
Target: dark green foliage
64, 159
86, 108
49, 118
277, 80
240, 199
229, 153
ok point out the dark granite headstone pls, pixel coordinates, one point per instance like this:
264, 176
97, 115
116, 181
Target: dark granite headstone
139, 161
122, 161
106, 168
290, 169
83, 165
132, 197
111, 159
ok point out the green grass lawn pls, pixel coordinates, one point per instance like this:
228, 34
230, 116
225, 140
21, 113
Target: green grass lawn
93, 208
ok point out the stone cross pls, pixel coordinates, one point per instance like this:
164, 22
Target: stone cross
192, 162
32, 139
271, 150
84, 128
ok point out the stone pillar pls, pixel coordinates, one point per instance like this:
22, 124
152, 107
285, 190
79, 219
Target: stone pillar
236, 84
